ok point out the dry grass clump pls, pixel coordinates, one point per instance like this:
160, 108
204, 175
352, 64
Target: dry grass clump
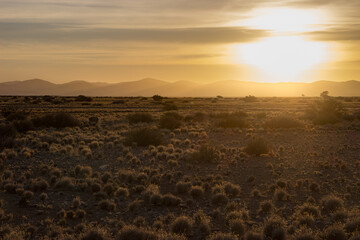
309, 209
107, 204
219, 199
170, 107
143, 137
266, 207
56, 120
283, 122
170, 200
122, 193
197, 192
331, 204
237, 227
39, 185
335, 232
140, 117
183, 187
257, 146
65, 183
182, 225
205, 154
7, 136
232, 190
170, 120
274, 229
232, 120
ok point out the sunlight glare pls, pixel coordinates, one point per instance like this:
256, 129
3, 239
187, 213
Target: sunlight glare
285, 19
283, 56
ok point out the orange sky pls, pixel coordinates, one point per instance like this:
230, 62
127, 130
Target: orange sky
203, 40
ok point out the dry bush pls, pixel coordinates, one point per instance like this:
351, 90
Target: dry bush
140, 117
56, 120
170, 120
143, 137
326, 111
170, 107
273, 229
205, 154
7, 136
107, 204
331, 204
232, 120
232, 190
257, 146
182, 225
197, 192
219, 199
237, 227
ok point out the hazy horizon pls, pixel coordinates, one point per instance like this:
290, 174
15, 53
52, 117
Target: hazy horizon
202, 41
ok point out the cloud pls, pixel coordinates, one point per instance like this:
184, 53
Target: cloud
50, 33
350, 33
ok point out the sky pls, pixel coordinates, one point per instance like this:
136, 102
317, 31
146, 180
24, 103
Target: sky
174, 40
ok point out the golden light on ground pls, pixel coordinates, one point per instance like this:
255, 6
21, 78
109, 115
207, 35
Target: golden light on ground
283, 56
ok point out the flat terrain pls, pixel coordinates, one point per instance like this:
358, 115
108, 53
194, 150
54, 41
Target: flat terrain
185, 168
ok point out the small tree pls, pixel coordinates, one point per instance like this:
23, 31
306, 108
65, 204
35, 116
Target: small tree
157, 98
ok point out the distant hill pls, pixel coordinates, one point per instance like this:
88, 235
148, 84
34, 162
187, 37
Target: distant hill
150, 87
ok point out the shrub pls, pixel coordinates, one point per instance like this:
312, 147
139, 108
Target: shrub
56, 120
143, 137
273, 229
139, 118
331, 204
250, 98
325, 111
157, 98
183, 187
170, 120
82, 98
232, 190
266, 207
237, 227
7, 136
196, 192
206, 154
257, 146
219, 198
181, 225
334, 233
23, 125
170, 107
14, 115
308, 209
232, 120
283, 122
196, 117
107, 204
170, 200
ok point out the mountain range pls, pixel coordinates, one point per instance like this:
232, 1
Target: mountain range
149, 87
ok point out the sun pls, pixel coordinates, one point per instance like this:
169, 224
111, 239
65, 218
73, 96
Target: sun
285, 53
282, 56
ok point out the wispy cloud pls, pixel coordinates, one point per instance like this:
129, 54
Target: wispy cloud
41, 32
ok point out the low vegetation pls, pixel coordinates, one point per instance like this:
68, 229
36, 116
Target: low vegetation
223, 169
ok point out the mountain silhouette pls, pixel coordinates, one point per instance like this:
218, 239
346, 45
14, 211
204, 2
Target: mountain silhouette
150, 87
